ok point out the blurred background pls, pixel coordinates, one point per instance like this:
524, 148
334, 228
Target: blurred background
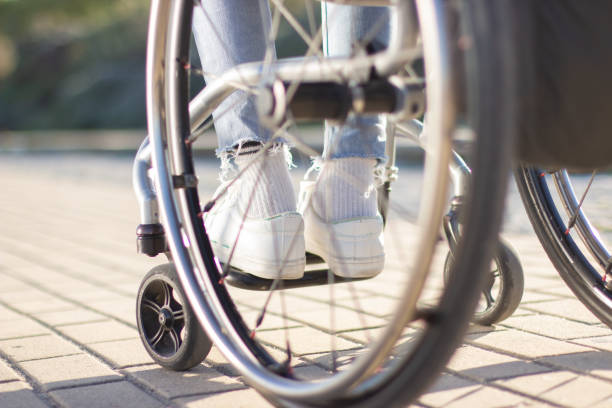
72, 64
79, 64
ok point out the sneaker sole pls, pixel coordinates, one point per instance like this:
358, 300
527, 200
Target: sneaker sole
291, 268
349, 267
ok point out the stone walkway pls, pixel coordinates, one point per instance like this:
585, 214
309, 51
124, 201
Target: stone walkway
69, 274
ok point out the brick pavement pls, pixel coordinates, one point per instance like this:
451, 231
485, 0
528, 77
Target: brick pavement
69, 275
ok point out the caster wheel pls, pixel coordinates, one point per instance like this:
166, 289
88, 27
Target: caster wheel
167, 326
503, 289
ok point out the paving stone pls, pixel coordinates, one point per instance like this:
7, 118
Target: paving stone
380, 287
602, 343
558, 291
492, 397
122, 353
566, 308
46, 304
47, 247
96, 332
17, 394
593, 362
520, 311
8, 314
171, 384
343, 359
536, 282
537, 267
32, 348
447, 389
6, 373
580, 392
531, 297
20, 296
318, 293
67, 317
69, 371
129, 287
524, 344
343, 320
372, 305
366, 336
270, 321
248, 398
477, 328
9, 284
120, 394
217, 361
606, 403
538, 384
120, 307
304, 340
22, 327
488, 365
552, 326
92, 295
75, 288
306, 371
290, 306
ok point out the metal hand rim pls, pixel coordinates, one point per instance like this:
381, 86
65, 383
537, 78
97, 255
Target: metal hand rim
440, 124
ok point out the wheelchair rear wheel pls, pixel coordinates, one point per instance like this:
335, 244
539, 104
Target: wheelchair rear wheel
571, 224
373, 342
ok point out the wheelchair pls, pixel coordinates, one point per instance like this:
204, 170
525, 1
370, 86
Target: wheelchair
327, 340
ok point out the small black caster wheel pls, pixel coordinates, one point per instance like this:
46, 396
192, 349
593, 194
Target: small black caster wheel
167, 325
503, 289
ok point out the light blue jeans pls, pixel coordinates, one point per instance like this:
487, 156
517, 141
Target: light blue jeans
232, 32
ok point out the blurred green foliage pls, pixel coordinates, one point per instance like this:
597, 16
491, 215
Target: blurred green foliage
76, 63
81, 63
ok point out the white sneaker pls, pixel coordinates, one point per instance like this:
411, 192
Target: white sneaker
269, 248
352, 248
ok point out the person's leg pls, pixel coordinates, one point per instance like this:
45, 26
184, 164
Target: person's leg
346, 29
342, 224
228, 33
345, 188
268, 240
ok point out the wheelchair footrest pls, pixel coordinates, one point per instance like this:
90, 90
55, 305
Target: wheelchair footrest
245, 280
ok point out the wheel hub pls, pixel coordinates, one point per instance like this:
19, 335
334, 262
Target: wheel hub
165, 318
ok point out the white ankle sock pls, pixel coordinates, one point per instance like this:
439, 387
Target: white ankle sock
274, 192
345, 189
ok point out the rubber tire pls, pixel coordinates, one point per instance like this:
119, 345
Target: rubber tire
512, 284
565, 255
196, 345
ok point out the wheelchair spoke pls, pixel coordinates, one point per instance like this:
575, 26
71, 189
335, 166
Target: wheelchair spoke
178, 315
577, 210
176, 340
166, 290
488, 297
157, 337
279, 4
152, 306
310, 14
